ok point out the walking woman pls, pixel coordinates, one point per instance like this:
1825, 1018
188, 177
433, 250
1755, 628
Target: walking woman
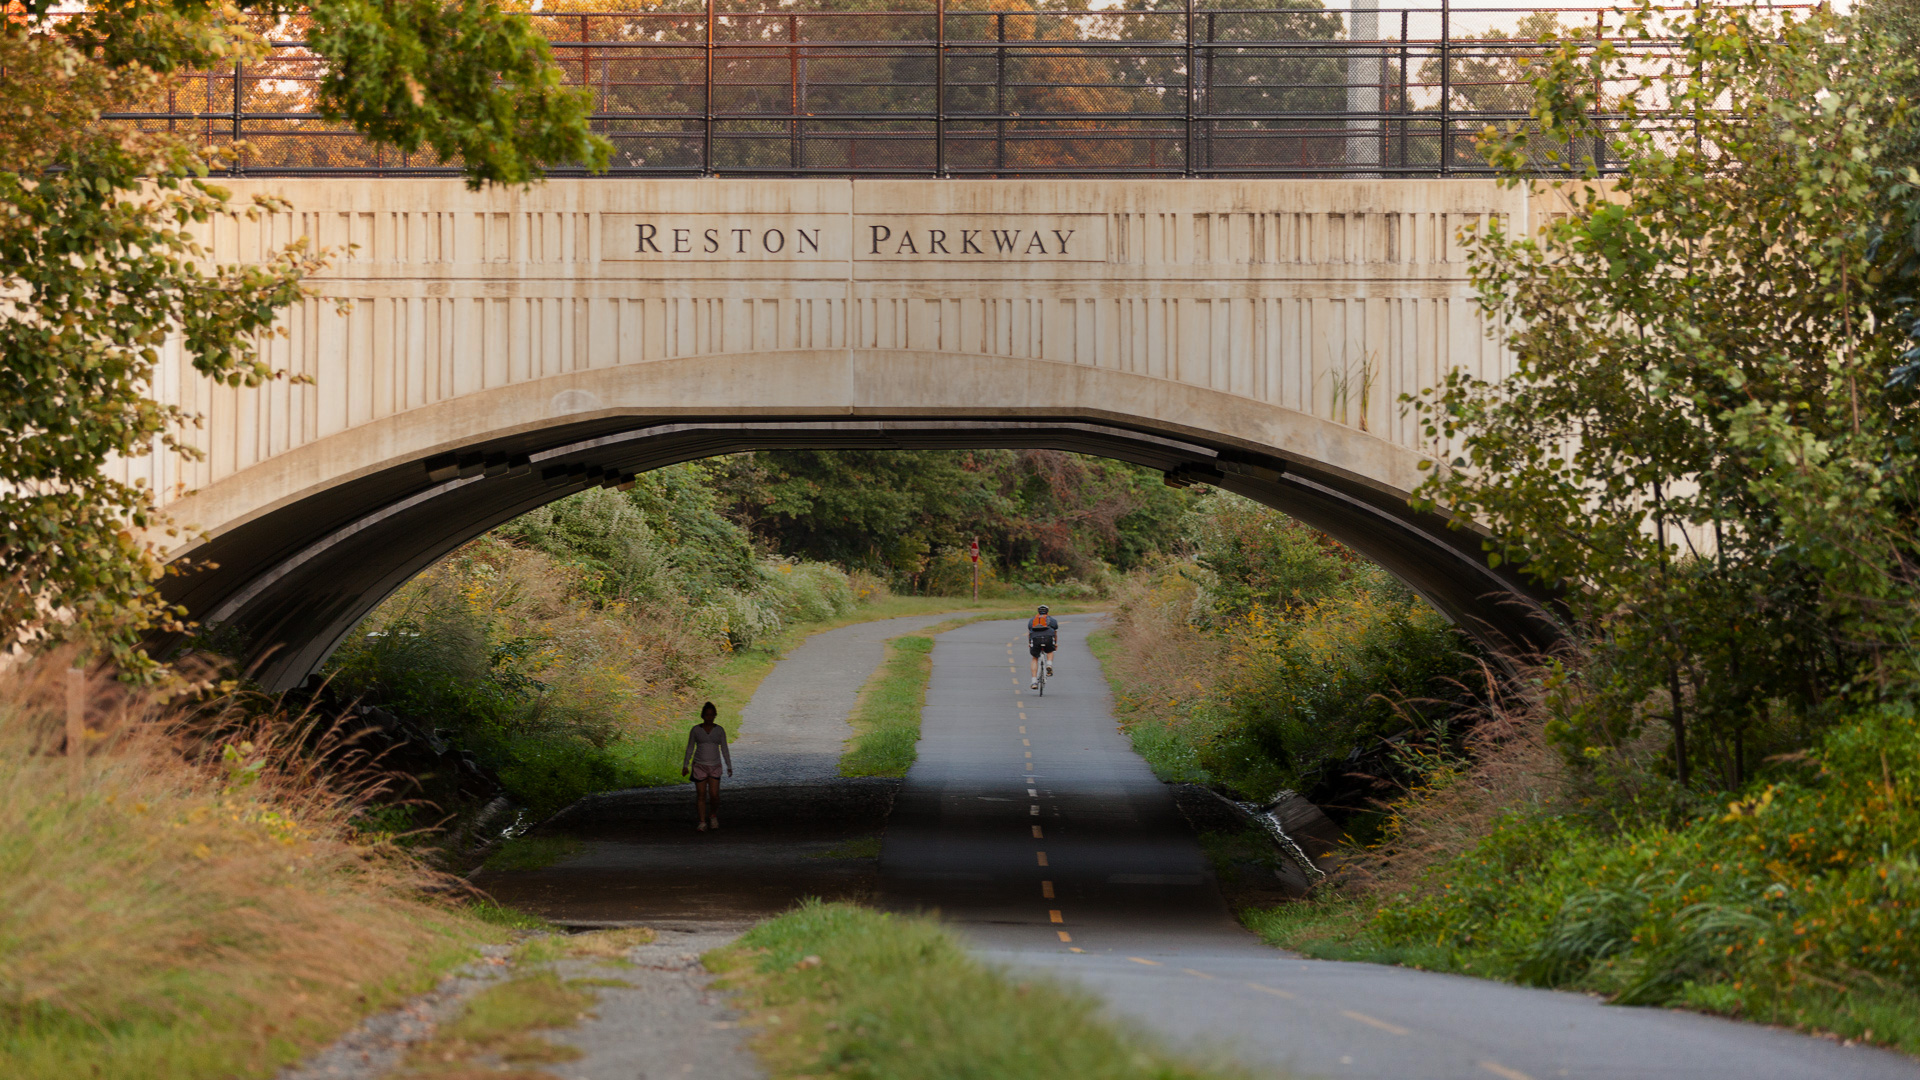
706, 750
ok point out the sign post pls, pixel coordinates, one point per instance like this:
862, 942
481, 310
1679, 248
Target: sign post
973, 552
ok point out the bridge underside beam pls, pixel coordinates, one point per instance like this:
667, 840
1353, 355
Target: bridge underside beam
293, 582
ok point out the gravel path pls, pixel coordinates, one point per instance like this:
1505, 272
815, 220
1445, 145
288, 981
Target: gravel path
656, 1016
795, 728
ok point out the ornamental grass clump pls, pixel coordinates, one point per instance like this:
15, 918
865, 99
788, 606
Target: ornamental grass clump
189, 897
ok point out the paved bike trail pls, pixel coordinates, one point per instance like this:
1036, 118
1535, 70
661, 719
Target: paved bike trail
1030, 825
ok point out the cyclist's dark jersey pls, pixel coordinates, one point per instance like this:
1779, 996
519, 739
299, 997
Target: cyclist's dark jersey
1042, 629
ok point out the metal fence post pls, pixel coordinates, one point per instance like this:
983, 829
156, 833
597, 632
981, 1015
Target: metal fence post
1192, 84
239, 126
793, 92
1000, 97
1209, 60
1404, 58
1446, 88
940, 88
586, 74
706, 153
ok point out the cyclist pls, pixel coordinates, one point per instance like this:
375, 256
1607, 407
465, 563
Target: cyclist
1043, 636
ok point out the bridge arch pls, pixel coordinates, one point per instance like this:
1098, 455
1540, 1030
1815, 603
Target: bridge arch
499, 354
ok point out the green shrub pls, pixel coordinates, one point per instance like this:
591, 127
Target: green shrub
1764, 907
1273, 655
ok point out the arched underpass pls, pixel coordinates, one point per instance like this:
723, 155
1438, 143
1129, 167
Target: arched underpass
295, 580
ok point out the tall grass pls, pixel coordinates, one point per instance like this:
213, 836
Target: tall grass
190, 897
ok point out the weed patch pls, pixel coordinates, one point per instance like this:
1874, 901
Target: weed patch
499, 1023
596, 945
836, 988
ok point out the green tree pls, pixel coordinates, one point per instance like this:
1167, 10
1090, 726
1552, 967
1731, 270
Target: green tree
1043, 513
101, 269
1700, 439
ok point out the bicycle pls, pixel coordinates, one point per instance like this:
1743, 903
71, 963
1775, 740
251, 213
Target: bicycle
1042, 677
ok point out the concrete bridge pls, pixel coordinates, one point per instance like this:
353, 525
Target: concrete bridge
506, 348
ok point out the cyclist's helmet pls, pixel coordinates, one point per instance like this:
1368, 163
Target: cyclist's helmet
1043, 609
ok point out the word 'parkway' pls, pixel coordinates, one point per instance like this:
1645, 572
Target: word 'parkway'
896, 238
500, 349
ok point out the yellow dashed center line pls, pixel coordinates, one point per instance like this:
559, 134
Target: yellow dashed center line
1272, 990
1502, 1071
1075, 948
1195, 974
1054, 916
1043, 857
1064, 936
1391, 1029
1023, 729
1036, 833
1029, 753
1026, 742
1046, 890
1029, 766
1144, 960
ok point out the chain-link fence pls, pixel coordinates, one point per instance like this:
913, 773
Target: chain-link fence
981, 88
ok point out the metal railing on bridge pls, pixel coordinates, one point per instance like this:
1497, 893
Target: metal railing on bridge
993, 88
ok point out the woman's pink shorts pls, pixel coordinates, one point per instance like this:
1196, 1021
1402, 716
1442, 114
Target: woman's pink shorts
705, 772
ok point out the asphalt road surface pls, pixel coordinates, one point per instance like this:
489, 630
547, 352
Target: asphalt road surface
1030, 825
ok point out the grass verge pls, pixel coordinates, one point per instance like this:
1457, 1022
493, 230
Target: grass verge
836, 988
1343, 929
1173, 758
886, 720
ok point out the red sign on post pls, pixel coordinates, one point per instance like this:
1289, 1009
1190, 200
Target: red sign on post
973, 550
